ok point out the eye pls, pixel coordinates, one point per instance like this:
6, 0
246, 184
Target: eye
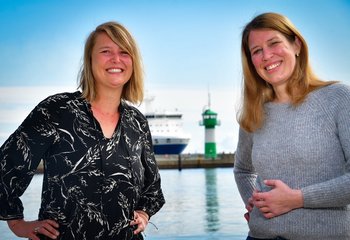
274, 43
256, 51
124, 53
106, 51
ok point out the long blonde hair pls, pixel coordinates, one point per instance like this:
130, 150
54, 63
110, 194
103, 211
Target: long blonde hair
133, 89
256, 92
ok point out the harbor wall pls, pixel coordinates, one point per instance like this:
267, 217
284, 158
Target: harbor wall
194, 161
189, 160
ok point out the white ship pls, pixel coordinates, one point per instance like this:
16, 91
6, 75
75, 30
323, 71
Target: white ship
167, 130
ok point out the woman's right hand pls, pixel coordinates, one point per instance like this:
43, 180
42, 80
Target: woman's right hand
30, 229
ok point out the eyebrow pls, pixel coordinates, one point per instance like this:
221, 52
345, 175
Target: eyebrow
104, 46
273, 39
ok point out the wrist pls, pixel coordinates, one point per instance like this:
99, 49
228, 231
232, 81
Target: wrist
299, 200
12, 223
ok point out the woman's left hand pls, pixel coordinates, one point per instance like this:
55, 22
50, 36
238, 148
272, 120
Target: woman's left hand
281, 199
141, 219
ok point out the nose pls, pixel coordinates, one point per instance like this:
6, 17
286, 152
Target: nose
267, 54
115, 58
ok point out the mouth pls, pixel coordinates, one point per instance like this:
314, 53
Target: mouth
115, 70
272, 66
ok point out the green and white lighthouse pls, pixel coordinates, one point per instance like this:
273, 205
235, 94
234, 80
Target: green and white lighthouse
209, 121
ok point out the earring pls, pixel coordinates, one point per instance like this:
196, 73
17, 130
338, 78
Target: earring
297, 54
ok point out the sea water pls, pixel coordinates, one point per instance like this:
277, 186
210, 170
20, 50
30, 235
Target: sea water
200, 204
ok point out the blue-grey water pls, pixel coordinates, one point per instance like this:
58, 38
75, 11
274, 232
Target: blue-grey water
200, 204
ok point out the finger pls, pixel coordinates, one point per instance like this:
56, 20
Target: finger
141, 221
269, 215
249, 208
48, 231
33, 236
256, 195
144, 219
250, 200
140, 228
133, 222
247, 216
143, 214
136, 216
52, 223
52, 230
270, 182
260, 204
261, 196
264, 210
47, 228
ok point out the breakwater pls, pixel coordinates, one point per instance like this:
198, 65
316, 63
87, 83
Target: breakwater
183, 161
194, 161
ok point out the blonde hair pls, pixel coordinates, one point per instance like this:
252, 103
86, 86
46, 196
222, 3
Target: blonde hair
133, 89
256, 92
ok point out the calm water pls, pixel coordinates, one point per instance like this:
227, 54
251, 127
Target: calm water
201, 204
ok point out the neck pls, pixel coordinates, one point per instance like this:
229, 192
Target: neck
282, 99
106, 105
281, 94
106, 112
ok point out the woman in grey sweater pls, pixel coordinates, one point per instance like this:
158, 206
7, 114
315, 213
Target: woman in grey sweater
292, 160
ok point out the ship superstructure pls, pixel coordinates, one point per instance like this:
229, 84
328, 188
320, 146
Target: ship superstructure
167, 131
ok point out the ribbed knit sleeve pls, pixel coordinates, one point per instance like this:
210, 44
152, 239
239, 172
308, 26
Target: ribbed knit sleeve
244, 172
336, 191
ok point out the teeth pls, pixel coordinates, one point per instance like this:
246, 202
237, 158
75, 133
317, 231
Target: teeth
115, 70
273, 66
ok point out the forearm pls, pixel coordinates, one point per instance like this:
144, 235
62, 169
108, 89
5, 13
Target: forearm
332, 193
246, 183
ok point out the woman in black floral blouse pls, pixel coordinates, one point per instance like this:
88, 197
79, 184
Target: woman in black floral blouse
101, 180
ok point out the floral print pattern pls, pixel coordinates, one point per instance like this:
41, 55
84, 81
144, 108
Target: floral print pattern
92, 184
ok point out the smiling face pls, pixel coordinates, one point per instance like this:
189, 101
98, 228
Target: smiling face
112, 67
273, 56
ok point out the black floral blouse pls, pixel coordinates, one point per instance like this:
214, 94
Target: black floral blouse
92, 184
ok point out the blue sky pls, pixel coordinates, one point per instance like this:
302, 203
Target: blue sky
188, 47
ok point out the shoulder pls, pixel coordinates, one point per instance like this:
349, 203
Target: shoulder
334, 97
336, 90
61, 98
56, 104
331, 94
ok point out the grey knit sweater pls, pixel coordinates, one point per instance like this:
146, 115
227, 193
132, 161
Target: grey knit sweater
308, 148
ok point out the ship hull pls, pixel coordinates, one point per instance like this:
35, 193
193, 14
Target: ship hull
169, 145
161, 149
